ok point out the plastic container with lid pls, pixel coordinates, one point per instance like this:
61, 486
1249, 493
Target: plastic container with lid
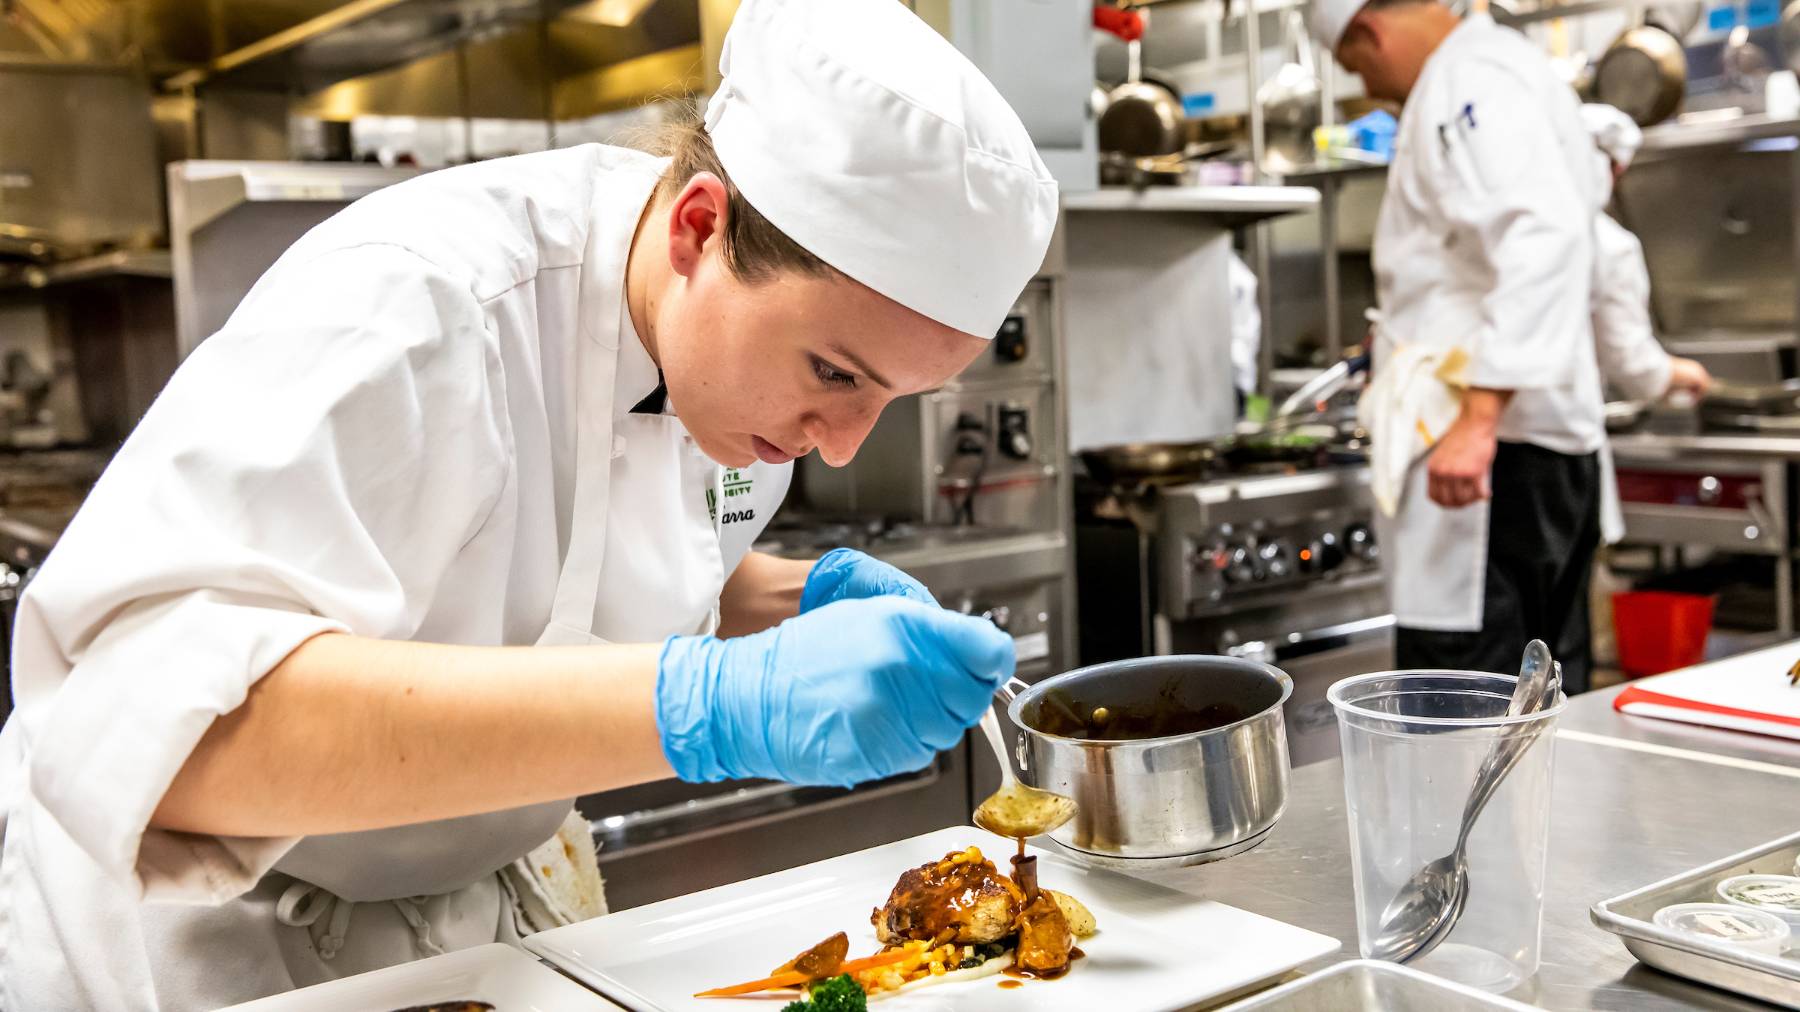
1775, 894
1727, 923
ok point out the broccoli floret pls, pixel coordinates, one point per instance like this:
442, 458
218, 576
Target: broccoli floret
839, 994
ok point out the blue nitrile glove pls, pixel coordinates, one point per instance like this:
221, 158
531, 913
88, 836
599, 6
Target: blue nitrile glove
855, 691
845, 573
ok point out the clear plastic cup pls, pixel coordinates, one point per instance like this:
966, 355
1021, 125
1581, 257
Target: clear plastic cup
1413, 743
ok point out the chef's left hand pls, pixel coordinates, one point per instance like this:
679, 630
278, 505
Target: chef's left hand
1689, 377
845, 573
1459, 467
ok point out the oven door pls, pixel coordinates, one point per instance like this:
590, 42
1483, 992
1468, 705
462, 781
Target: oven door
669, 838
1315, 659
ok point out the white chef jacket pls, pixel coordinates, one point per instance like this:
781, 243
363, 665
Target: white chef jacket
1631, 359
1630, 356
416, 426
1485, 242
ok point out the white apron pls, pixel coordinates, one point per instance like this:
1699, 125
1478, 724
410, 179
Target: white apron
470, 474
1484, 243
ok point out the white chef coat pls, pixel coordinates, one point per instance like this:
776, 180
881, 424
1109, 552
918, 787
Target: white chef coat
416, 426
1485, 242
1631, 358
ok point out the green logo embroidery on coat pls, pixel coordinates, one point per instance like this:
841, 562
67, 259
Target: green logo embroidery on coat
736, 483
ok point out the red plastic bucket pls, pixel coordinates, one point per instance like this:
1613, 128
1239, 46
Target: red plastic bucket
1660, 631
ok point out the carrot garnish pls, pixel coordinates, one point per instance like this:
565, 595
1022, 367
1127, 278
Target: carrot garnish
794, 978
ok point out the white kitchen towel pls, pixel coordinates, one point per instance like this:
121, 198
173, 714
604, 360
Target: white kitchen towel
1414, 393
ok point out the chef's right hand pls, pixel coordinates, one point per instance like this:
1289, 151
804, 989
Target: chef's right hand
850, 692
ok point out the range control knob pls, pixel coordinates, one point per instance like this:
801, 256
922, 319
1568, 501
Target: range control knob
1277, 559
1359, 541
1240, 564
1312, 557
999, 614
1328, 552
1211, 557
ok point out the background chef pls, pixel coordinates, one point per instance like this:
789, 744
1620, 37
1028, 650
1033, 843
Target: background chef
1484, 258
1631, 359
445, 526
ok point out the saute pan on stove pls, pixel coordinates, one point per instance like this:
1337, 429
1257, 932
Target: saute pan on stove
1288, 441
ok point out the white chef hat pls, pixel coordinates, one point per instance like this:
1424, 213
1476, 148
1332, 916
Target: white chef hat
1329, 19
869, 140
1613, 130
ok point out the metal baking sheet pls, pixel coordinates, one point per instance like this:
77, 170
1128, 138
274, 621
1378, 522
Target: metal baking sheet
1771, 978
1372, 984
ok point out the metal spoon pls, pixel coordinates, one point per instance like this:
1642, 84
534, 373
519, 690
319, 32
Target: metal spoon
1431, 902
1016, 810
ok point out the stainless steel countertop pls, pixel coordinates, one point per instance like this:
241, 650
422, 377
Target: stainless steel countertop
1587, 716
1621, 818
1662, 446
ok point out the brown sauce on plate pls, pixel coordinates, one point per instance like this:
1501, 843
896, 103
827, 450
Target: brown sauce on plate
1016, 973
1019, 977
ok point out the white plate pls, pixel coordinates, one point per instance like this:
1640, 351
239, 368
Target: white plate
498, 974
1157, 949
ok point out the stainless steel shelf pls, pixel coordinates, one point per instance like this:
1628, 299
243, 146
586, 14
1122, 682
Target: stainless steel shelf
202, 191
148, 263
1704, 130
1551, 12
1334, 169
1236, 205
229, 220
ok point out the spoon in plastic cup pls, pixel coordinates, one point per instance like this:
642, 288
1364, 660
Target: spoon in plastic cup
1429, 904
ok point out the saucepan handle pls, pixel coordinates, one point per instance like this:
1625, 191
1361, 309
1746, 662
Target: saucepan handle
1005, 695
1010, 691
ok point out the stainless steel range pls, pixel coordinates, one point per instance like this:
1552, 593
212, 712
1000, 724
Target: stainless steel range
1282, 567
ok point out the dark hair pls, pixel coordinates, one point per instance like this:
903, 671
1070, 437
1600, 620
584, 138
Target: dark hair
755, 250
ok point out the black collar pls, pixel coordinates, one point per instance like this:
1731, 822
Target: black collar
654, 401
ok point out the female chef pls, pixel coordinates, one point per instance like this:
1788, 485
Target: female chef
450, 524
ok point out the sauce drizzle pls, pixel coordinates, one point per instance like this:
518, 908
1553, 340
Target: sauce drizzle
1017, 973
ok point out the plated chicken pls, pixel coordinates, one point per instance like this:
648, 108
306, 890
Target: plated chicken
956, 918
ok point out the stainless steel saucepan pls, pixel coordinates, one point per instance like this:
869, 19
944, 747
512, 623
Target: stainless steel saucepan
1183, 797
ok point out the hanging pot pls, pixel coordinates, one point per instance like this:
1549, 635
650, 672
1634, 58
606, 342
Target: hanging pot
1142, 119
1290, 102
1643, 73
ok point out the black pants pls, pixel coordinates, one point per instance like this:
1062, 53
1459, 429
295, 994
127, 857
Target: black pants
1543, 527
